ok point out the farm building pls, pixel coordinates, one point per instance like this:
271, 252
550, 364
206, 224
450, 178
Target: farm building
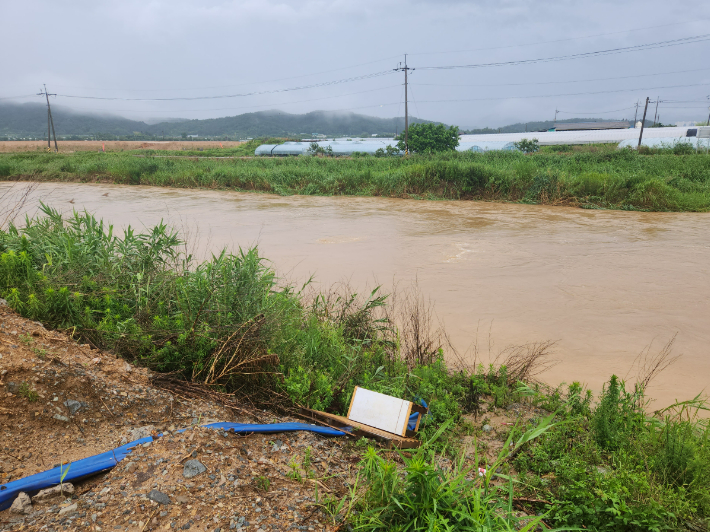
590, 126
506, 141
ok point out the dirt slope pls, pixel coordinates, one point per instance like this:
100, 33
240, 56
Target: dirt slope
60, 402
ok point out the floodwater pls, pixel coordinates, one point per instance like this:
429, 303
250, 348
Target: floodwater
603, 284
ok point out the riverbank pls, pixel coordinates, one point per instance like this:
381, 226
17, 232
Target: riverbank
607, 178
227, 324
499, 273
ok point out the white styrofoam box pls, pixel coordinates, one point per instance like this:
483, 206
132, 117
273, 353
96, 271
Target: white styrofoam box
380, 411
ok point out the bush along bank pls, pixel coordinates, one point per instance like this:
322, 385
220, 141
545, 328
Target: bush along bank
606, 178
228, 323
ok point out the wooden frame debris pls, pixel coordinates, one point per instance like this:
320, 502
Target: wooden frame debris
370, 414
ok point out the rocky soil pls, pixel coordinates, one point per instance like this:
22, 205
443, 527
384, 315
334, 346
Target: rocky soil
61, 401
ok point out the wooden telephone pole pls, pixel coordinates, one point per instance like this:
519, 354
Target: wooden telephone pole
643, 121
406, 70
50, 121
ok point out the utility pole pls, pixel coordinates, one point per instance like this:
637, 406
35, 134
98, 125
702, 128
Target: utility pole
50, 121
658, 98
556, 111
636, 114
406, 106
643, 122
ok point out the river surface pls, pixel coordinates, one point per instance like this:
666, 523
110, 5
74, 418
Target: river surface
603, 284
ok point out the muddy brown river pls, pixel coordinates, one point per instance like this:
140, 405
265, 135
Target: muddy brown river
603, 284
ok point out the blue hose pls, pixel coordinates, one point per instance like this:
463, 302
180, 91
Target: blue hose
108, 460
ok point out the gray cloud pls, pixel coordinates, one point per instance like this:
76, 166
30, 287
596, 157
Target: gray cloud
186, 48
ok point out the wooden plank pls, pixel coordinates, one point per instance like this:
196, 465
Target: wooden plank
406, 419
352, 400
419, 409
379, 411
333, 420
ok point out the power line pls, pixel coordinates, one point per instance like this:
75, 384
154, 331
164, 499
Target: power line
560, 82
255, 93
566, 94
16, 97
556, 40
433, 101
238, 84
242, 107
610, 51
675, 42
596, 112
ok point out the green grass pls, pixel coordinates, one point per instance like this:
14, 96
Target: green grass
226, 322
601, 178
423, 496
611, 466
230, 323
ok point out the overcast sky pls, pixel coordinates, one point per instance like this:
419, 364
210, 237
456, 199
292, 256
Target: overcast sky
176, 48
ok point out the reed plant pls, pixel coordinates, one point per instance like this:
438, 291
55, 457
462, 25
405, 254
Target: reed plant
661, 180
227, 322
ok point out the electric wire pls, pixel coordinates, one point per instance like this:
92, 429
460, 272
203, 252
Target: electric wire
561, 82
17, 97
236, 85
611, 51
589, 113
223, 96
566, 94
674, 42
245, 107
557, 40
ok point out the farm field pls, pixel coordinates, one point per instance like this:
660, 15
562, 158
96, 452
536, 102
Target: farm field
71, 146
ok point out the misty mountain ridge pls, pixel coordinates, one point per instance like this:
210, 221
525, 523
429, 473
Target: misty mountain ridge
30, 120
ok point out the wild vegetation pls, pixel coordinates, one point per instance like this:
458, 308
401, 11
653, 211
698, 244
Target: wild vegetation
598, 177
230, 324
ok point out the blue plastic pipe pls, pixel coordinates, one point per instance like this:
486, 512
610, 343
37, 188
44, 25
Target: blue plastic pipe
108, 460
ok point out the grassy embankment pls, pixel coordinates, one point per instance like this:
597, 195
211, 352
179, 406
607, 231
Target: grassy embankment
229, 323
659, 180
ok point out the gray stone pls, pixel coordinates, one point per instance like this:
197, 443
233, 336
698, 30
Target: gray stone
60, 417
12, 387
159, 497
22, 504
74, 406
487, 428
193, 468
60, 491
3, 303
68, 509
140, 432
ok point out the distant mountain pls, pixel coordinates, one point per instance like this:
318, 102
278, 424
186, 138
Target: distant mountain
281, 124
30, 120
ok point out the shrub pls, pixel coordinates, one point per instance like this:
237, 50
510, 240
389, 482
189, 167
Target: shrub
527, 146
